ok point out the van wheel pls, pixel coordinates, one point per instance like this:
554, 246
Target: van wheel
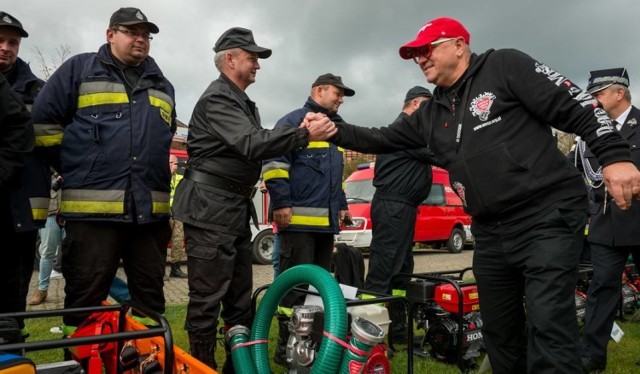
455, 244
263, 247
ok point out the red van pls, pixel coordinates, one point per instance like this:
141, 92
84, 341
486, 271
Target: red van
441, 221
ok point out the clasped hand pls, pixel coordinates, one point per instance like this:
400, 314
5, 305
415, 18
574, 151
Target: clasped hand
319, 125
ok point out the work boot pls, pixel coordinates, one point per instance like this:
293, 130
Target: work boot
203, 348
38, 297
176, 272
398, 330
280, 354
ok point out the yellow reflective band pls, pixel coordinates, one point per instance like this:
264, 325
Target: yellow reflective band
161, 207
39, 207
309, 221
318, 145
102, 98
160, 95
113, 207
399, 292
340, 149
39, 214
157, 102
275, 173
48, 140
47, 134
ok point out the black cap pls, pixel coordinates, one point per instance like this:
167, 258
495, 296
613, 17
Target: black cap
7, 19
334, 80
131, 16
417, 91
601, 79
238, 37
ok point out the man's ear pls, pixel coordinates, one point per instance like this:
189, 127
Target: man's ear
228, 58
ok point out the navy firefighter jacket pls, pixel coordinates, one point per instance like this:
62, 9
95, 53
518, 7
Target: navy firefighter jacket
309, 180
29, 189
114, 149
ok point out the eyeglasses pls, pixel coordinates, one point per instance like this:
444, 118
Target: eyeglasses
427, 50
134, 33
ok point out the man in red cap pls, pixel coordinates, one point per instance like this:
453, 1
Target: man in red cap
489, 124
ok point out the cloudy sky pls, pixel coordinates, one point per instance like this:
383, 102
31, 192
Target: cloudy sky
357, 39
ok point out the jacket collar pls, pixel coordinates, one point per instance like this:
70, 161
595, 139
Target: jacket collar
24, 77
150, 68
317, 108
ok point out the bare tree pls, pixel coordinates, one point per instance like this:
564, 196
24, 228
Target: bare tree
49, 65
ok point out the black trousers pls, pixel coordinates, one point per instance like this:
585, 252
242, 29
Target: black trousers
91, 253
220, 274
298, 248
602, 298
391, 244
16, 266
526, 284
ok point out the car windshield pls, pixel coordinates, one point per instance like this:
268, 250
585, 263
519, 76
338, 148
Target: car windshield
359, 191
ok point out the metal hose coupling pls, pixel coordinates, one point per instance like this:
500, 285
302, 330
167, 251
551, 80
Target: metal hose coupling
238, 335
364, 336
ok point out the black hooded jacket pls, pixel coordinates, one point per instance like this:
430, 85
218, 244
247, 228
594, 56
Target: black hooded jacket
502, 159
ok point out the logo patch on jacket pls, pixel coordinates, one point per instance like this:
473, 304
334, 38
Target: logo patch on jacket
481, 105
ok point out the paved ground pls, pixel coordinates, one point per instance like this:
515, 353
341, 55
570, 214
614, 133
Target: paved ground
176, 290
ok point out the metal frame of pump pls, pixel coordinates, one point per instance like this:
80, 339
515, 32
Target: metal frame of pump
163, 330
380, 298
442, 277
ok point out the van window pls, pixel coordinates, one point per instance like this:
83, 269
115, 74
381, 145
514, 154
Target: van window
436, 196
359, 191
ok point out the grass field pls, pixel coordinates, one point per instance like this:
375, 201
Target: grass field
622, 356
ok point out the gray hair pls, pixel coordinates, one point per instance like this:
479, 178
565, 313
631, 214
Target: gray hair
218, 59
627, 92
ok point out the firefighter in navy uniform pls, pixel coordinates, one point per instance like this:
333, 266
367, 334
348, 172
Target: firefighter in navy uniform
117, 111
31, 183
613, 233
307, 196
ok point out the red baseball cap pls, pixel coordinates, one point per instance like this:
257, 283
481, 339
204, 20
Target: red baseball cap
433, 30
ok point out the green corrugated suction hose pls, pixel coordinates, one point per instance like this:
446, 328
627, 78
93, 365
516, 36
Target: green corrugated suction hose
237, 335
335, 323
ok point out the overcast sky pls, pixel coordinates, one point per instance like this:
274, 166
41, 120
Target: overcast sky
357, 39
